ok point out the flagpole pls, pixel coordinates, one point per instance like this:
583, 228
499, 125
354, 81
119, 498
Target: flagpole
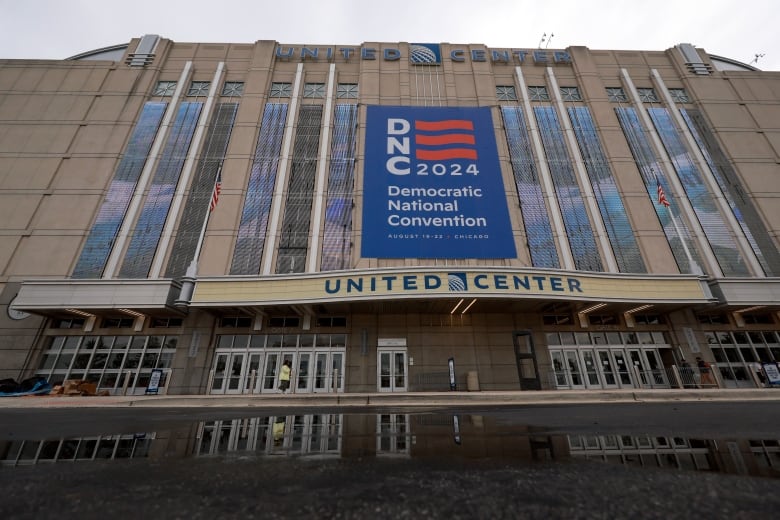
188, 280
694, 267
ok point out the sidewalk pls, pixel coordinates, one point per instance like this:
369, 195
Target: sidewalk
409, 400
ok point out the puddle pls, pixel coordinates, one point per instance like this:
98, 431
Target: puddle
424, 437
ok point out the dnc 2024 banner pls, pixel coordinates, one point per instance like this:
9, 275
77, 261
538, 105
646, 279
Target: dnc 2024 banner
432, 185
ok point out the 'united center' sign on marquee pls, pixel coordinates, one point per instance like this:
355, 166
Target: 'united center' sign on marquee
432, 185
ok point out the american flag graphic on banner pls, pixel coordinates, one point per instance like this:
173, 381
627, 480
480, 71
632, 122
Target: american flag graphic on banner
445, 140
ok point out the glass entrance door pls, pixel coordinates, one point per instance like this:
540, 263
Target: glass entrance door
607, 368
623, 369
391, 370
319, 371
591, 368
639, 367
253, 372
229, 374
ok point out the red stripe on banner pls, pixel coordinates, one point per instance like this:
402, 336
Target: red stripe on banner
444, 139
448, 124
443, 155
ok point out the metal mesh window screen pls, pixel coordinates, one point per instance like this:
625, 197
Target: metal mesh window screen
647, 95
744, 211
539, 237
337, 232
259, 192
567, 191
197, 206
616, 95
294, 236
679, 95
347, 91
538, 94
281, 90
314, 90
199, 88
570, 94
233, 89
646, 161
506, 93
148, 229
715, 227
164, 88
613, 213
112, 211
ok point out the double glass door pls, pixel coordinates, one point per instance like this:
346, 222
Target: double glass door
607, 368
391, 370
258, 372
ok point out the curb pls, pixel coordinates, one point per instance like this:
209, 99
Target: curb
405, 400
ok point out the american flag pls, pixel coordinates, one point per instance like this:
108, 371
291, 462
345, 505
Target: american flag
216, 192
661, 195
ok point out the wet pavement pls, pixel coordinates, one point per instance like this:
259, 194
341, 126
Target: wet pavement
711, 454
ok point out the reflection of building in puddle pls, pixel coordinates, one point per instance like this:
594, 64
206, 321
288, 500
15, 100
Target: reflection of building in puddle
744, 457
21, 453
281, 435
393, 435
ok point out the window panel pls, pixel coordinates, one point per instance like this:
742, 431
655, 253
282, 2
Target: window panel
538, 94
647, 95
314, 90
280, 90
294, 237
679, 95
336, 239
567, 191
257, 204
730, 184
347, 91
616, 95
233, 89
146, 235
613, 212
101, 237
644, 156
539, 235
197, 204
570, 94
199, 88
712, 222
164, 88
506, 93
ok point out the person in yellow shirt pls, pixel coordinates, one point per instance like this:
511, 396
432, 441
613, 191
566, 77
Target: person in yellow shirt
284, 376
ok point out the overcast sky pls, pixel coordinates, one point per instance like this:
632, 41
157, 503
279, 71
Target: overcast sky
737, 29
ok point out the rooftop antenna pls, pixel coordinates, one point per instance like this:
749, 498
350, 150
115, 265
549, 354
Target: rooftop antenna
548, 40
544, 35
758, 56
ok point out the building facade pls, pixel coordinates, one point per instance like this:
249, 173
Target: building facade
388, 217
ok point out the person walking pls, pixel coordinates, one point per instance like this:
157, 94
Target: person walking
284, 376
706, 372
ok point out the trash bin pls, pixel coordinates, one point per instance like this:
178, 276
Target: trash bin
472, 381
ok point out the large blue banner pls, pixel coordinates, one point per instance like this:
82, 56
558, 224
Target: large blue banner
432, 185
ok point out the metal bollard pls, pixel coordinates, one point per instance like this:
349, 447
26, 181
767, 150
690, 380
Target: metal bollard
126, 382
252, 379
212, 375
